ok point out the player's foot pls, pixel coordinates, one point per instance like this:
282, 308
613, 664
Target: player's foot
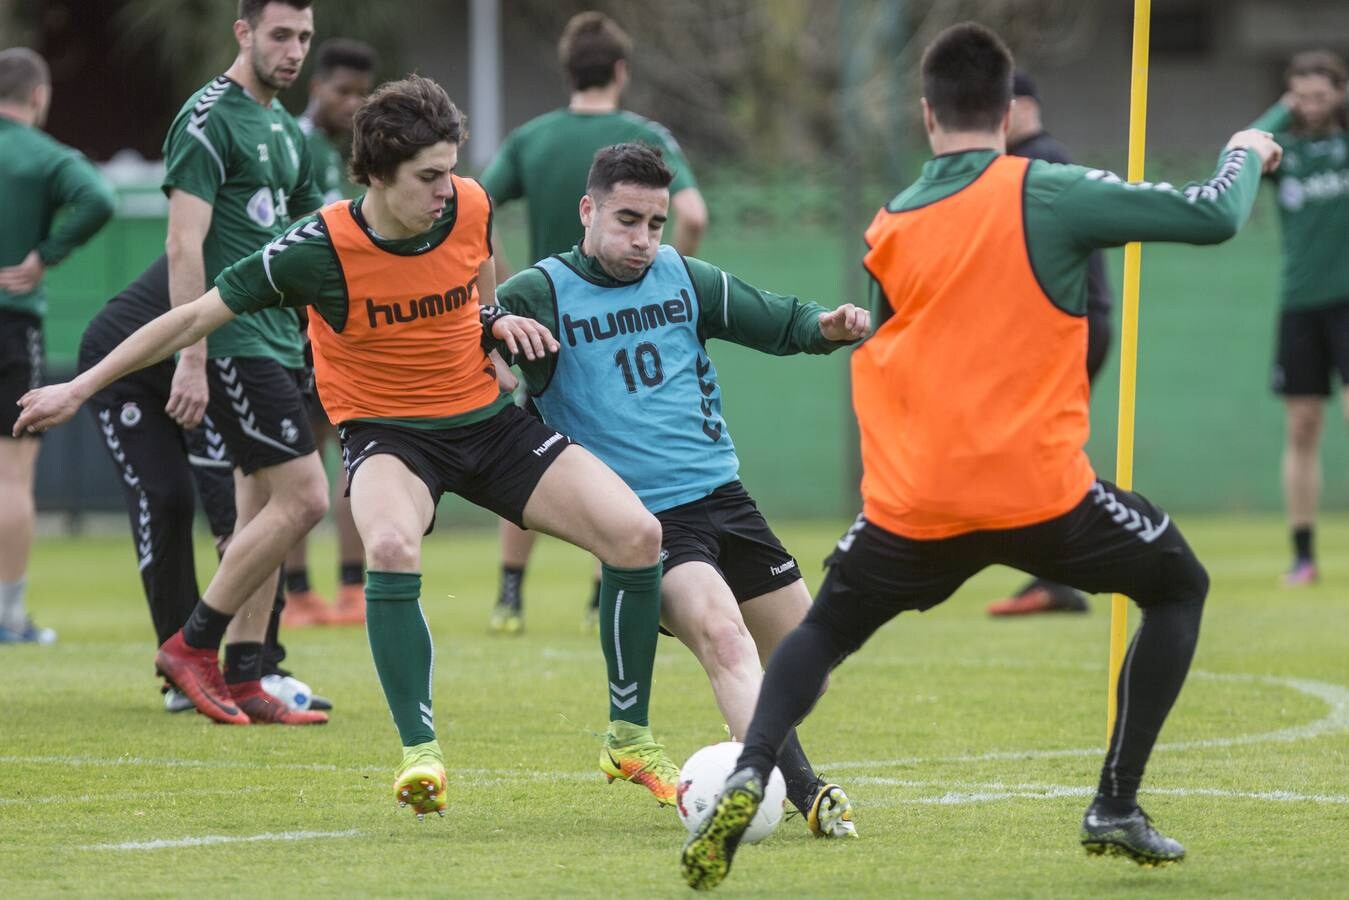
264, 709
304, 609
350, 608
28, 634
630, 753
1131, 836
1302, 574
175, 701
507, 618
421, 779
196, 672
830, 813
706, 860
1040, 598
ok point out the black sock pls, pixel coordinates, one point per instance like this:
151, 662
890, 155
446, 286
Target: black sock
243, 662
352, 572
595, 595
273, 651
1150, 680
205, 628
511, 579
797, 772
297, 580
1302, 544
795, 677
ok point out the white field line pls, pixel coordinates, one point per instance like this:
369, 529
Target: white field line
1335, 720
975, 792
209, 839
132, 797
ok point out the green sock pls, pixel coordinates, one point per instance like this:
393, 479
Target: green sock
400, 642
629, 627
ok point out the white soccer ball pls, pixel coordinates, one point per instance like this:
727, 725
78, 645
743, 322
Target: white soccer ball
701, 781
291, 691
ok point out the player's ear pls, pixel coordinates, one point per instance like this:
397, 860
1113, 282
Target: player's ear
242, 32
587, 208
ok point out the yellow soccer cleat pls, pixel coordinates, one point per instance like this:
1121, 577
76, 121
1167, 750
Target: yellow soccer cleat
631, 754
421, 780
831, 813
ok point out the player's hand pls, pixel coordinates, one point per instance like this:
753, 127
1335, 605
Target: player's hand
1262, 144
24, 277
846, 324
506, 379
188, 392
45, 407
524, 336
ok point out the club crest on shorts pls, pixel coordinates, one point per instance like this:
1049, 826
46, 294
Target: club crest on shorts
289, 433
130, 415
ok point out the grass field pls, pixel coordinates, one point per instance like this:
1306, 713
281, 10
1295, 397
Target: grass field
969, 747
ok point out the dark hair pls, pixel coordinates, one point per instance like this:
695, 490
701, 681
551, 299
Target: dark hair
633, 163
251, 10
967, 78
1318, 62
21, 70
398, 120
590, 48
344, 53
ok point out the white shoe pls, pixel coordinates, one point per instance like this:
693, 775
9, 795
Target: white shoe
289, 690
176, 701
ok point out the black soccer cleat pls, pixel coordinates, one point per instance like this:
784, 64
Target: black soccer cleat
706, 860
1130, 836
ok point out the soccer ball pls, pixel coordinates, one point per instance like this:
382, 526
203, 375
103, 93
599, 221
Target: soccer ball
700, 783
291, 691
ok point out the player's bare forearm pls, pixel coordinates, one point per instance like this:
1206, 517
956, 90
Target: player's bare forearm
156, 340
189, 222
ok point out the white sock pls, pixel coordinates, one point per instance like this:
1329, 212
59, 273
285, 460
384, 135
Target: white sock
13, 613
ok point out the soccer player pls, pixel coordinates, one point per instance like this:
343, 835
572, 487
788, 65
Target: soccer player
343, 74
394, 280
38, 178
545, 162
634, 382
236, 166
159, 462
1026, 136
972, 401
1313, 338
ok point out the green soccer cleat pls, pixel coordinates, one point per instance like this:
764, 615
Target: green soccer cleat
831, 813
630, 753
421, 780
1131, 836
706, 860
506, 619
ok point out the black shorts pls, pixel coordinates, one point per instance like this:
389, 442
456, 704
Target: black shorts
21, 364
1311, 344
258, 408
726, 530
1112, 541
495, 463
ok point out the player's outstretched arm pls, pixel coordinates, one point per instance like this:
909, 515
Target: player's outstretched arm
152, 342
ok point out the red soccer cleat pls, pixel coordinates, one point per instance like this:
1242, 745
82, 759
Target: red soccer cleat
264, 709
196, 672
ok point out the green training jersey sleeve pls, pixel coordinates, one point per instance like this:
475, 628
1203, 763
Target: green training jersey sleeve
54, 201
1311, 189
733, 310
250, 162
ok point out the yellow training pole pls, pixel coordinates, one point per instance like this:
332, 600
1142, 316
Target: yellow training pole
1128, 339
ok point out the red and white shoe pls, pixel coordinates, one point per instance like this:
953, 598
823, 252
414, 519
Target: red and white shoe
196, 672
1302, 574
264, 709
305, 609
350, 608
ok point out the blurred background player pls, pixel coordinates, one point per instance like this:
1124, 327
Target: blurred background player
344, 72
996, 473
237, 173
158, 463
38, 178
1313, 335
545, 162
1026, 136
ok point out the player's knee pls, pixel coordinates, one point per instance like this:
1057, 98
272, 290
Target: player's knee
307, 502
1304, 433
389, 550
727, 645
636, 542
1183, 579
